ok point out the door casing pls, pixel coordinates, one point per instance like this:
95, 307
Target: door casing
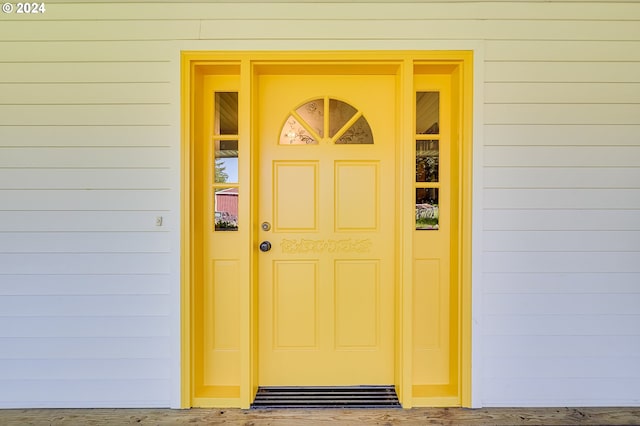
404, 65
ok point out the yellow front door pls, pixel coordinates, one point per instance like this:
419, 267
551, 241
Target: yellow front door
326, 210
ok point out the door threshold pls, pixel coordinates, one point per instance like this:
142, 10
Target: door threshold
271, 397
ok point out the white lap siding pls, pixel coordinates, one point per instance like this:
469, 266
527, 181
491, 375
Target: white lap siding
561, 283
89, 157
88, 283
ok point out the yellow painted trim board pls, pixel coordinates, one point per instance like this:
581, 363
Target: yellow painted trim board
467, 200
205, 61
247, 297
406, 171
185, 233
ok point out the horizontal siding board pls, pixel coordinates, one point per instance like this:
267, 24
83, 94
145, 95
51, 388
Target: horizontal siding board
85, 393
557, 283
99, 199
572, 391
498, 2
84, 263
562, 156
557, 29
559, 346
75, 327
416, 28
85, 242
92, 347
85, 157
549, 51
562, 199
561, 219
563, 325
562, 72
99, 30
82, 178
85, 135
84, 93
85, 72
552, 176
328, 10
257, 11
562, 114
45, 115
603, 261
561, 93
85, 285
574, 367
340, 29
591, 304
562, 241
83, 221
564, 134
172, 48
84, 51
329, 44
84, 306
82, 369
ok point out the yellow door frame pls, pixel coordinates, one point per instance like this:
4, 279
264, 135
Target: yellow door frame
195, 66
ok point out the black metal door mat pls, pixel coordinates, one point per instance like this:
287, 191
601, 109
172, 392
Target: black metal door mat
326, 397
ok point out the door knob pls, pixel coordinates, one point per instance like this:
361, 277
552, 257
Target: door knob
265, 246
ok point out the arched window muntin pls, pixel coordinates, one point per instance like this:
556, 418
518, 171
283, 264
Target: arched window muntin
325, 120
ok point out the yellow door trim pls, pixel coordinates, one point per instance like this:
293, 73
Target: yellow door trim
196, 65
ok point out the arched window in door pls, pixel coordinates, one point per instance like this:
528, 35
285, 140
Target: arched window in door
325, 120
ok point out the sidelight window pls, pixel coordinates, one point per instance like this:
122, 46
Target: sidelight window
427, 139
225, 161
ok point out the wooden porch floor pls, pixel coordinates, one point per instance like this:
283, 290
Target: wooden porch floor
417, 416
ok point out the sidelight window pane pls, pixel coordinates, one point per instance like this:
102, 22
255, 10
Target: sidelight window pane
226, 162
427, 160
226, 209
427, 210
427, 113
226, 113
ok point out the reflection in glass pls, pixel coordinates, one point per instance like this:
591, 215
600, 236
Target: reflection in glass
313, 114
226, 209
427, 211
427, 113
358, 133
294, 134
226, 162
308, 124
339, 113
226, 113
427, 160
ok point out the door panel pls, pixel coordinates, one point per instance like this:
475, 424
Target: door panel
356, 192
295, 196
295, 325
356, 304
326, 288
